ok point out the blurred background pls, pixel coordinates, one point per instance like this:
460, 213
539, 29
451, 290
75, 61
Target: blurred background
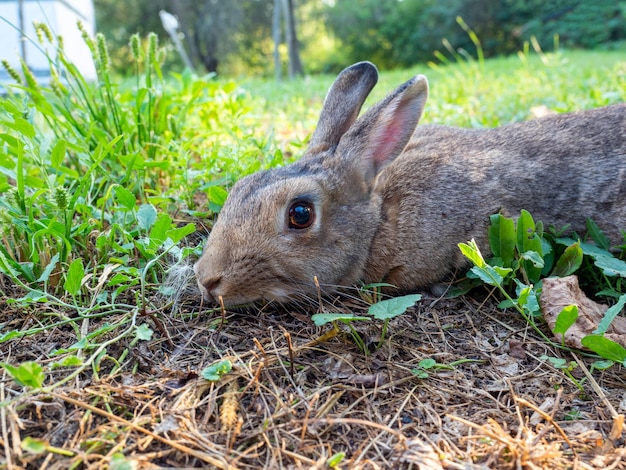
295, 37
239, 36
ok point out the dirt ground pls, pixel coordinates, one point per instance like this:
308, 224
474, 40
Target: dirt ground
299, 394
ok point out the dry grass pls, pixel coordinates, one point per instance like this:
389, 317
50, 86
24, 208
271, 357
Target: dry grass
299, 394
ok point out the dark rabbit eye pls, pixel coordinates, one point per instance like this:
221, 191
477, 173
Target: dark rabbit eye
301, 215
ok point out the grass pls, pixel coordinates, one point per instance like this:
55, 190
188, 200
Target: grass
102, 189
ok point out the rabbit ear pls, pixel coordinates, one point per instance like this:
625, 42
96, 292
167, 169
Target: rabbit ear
381, 134
343, 104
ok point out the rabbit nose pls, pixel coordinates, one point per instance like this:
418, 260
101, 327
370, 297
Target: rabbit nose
211, 285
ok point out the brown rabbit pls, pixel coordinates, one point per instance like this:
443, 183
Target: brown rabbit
373, 200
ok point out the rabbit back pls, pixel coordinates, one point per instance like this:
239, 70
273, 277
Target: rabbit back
443, 188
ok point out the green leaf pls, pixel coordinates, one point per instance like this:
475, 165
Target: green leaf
74, 277
461, 287
215, 371
321, 319
529, 240
9, 335
611, 266
45, 275
428, 363
419, 373
527, 297
22, 126
143, 332
557, 362
27, 374
33, 445
335, 459
489, 275
569, 262
12, 141
610, 315
375, 285
125, 197
503, 272
523, 295
588, 248
177, 234
502, 238
597, 235
158, 234
525, 231
79, 345
605, 347
534, 257
470, 251
217, 197
146, 216
68, 361
566, 318
602, 365
120, 462
548, 257
57, 155
391, 308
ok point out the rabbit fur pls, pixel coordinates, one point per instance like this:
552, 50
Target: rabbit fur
388, 201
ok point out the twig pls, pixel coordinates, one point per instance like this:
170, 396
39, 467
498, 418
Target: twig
618, 419
596, 387
549, 418
5, 433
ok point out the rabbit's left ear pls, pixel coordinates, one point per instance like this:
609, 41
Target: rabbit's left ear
381, 134
342, 104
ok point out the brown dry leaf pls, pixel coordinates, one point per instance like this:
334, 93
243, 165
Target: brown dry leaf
517, 349
560, 292
420, 455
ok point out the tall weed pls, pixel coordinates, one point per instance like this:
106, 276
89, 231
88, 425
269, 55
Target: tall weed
97, 172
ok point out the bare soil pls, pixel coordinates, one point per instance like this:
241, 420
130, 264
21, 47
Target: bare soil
299, 394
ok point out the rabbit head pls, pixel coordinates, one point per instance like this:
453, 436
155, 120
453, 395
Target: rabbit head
287, 232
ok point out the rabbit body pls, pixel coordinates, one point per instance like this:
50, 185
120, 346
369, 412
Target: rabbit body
441, 191
375, 199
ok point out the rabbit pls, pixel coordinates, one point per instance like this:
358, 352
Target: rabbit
377, 199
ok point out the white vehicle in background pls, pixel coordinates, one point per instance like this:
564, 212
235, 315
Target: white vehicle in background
19, 40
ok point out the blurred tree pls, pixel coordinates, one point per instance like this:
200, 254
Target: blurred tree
404, 32
295, 64
216, 32
285, 9
236, 35
578, 23
395, 32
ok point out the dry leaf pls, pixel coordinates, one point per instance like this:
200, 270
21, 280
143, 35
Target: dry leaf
559, 292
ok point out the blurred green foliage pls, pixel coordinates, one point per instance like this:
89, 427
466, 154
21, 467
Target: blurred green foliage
236, 37
404, 32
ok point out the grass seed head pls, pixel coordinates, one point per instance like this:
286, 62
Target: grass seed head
103, 53
43, 31
86, 37
11, 71
153, 44
134, 45
60, 197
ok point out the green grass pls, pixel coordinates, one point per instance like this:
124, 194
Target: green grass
100, 183
468, 93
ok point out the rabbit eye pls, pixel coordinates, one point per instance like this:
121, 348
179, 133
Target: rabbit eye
301, 215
